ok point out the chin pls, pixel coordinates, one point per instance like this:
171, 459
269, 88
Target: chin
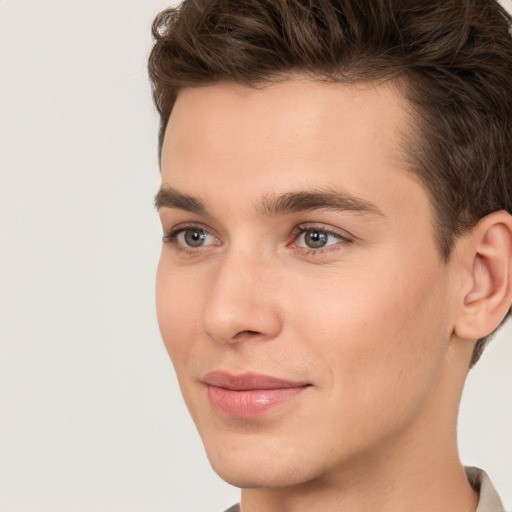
247, 475
258, 466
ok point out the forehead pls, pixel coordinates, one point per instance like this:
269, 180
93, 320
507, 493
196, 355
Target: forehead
289, 135
290, 112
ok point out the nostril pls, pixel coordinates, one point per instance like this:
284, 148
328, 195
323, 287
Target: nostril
239, 336
246, 334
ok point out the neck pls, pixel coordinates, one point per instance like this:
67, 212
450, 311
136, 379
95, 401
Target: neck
391, 484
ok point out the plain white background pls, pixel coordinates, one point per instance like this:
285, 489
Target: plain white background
91, 416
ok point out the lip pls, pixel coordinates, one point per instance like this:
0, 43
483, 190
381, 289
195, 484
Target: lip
248, 395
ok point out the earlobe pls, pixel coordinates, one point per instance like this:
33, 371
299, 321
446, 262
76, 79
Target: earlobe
489, 276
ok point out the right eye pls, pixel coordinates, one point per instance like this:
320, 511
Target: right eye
190, 238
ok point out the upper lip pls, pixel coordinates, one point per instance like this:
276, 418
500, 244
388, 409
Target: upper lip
248, 381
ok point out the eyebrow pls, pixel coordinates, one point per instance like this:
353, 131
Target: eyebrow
303, 201
279, 204
168, 197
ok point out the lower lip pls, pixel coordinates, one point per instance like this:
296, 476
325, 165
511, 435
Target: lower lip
250, 403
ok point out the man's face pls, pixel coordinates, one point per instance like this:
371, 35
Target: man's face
306, 263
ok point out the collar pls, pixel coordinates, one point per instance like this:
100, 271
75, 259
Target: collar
489, 500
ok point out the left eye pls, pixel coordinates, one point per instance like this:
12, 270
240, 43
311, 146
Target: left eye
314, 238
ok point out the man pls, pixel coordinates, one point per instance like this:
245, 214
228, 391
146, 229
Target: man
336, 196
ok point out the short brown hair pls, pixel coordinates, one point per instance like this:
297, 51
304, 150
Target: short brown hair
455, 57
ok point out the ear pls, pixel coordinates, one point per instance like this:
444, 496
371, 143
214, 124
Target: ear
487, 294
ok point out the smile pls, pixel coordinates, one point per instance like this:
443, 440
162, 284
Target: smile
249, 395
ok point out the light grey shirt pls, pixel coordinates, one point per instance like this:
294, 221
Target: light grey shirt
489, 500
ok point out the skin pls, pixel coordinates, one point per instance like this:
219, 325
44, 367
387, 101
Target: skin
368, 320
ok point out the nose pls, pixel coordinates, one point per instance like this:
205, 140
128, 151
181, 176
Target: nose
242, 303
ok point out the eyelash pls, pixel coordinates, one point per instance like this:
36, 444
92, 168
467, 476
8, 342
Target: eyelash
344, 239
171, 238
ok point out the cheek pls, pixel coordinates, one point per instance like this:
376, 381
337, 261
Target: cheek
374, 340
176, 306
374, 324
